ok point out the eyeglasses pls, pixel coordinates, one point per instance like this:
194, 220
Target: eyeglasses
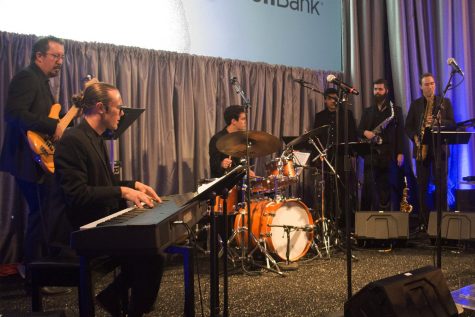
56, 56
121, 108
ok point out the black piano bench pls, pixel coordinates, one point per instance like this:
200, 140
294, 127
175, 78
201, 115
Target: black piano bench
64, 273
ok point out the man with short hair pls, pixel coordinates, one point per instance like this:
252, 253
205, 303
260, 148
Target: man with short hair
425, 167
382, 126
28, 105
235, 119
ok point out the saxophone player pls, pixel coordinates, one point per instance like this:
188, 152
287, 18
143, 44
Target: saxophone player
382, 126
418, 122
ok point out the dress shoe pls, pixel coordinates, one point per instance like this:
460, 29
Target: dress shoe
109, 300
52, 290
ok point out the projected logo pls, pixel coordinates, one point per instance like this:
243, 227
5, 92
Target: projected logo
305, 6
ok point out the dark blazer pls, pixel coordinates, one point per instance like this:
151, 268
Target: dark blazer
87, 186
325, 117
416, 111
28, 104
392, 135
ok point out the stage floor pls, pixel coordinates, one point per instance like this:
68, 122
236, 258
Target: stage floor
317, 288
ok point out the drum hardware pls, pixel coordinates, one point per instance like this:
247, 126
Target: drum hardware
258, 243
323, 224
287, 230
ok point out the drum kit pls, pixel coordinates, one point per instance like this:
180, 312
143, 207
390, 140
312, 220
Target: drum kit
280, 226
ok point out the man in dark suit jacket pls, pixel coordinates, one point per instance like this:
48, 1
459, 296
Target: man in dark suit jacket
28, 105
426, 167
334, 195
382, 178
89, 192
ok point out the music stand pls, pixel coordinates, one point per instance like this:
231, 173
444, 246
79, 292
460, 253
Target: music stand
220, 186
360, 148
129, 117
446, 138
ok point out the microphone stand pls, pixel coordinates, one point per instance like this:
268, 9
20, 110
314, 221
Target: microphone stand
438, 165
247, 106
342, 96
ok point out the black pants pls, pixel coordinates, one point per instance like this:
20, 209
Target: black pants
382, 185
426, 174
142, 275
37, 198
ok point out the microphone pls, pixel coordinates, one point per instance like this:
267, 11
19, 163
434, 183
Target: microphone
233, 81
332, 79
300, 81
456, 68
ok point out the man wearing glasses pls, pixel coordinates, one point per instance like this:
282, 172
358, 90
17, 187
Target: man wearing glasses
28, 106
88, 192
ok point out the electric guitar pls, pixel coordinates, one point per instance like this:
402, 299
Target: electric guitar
42, 145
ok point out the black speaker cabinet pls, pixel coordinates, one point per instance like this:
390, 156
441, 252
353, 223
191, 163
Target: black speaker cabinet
421, 292
465, 199
455, 225
382, 225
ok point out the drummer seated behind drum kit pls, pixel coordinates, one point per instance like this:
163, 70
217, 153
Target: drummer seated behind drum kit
280, 225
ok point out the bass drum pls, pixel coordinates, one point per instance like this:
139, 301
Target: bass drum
291, 212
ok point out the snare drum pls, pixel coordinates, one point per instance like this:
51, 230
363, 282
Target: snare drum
260, 185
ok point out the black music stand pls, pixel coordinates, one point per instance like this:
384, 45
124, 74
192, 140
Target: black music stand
129, 117
220, 186
446, 138
360, 148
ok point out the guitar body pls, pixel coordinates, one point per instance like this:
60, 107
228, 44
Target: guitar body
42, 146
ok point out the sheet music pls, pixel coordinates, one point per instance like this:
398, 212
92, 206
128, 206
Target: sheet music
204, 187
301, 158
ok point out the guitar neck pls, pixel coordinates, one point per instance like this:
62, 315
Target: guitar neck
68, 117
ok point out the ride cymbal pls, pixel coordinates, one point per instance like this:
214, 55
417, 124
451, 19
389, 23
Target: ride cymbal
260, 143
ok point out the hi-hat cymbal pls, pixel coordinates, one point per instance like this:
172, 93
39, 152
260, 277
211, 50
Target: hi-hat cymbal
309, 134
260, 143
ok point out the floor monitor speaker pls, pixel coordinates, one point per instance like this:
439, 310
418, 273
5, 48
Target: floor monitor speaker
421, 292
382, 225
456, 225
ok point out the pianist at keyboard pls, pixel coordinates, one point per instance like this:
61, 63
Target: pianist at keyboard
88, 192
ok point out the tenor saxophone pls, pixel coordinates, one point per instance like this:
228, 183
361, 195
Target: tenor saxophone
422, 149
405, 206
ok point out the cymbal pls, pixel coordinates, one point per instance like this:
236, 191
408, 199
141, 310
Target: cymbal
309, 134
260, 143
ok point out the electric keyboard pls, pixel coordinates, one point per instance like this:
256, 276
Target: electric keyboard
134, 231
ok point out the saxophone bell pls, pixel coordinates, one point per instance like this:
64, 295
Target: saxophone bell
405, 206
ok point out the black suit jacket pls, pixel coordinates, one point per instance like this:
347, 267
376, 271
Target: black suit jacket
416, 111
28, 104
392, 135
88, 190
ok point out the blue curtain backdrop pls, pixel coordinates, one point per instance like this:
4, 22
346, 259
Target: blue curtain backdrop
400, 40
